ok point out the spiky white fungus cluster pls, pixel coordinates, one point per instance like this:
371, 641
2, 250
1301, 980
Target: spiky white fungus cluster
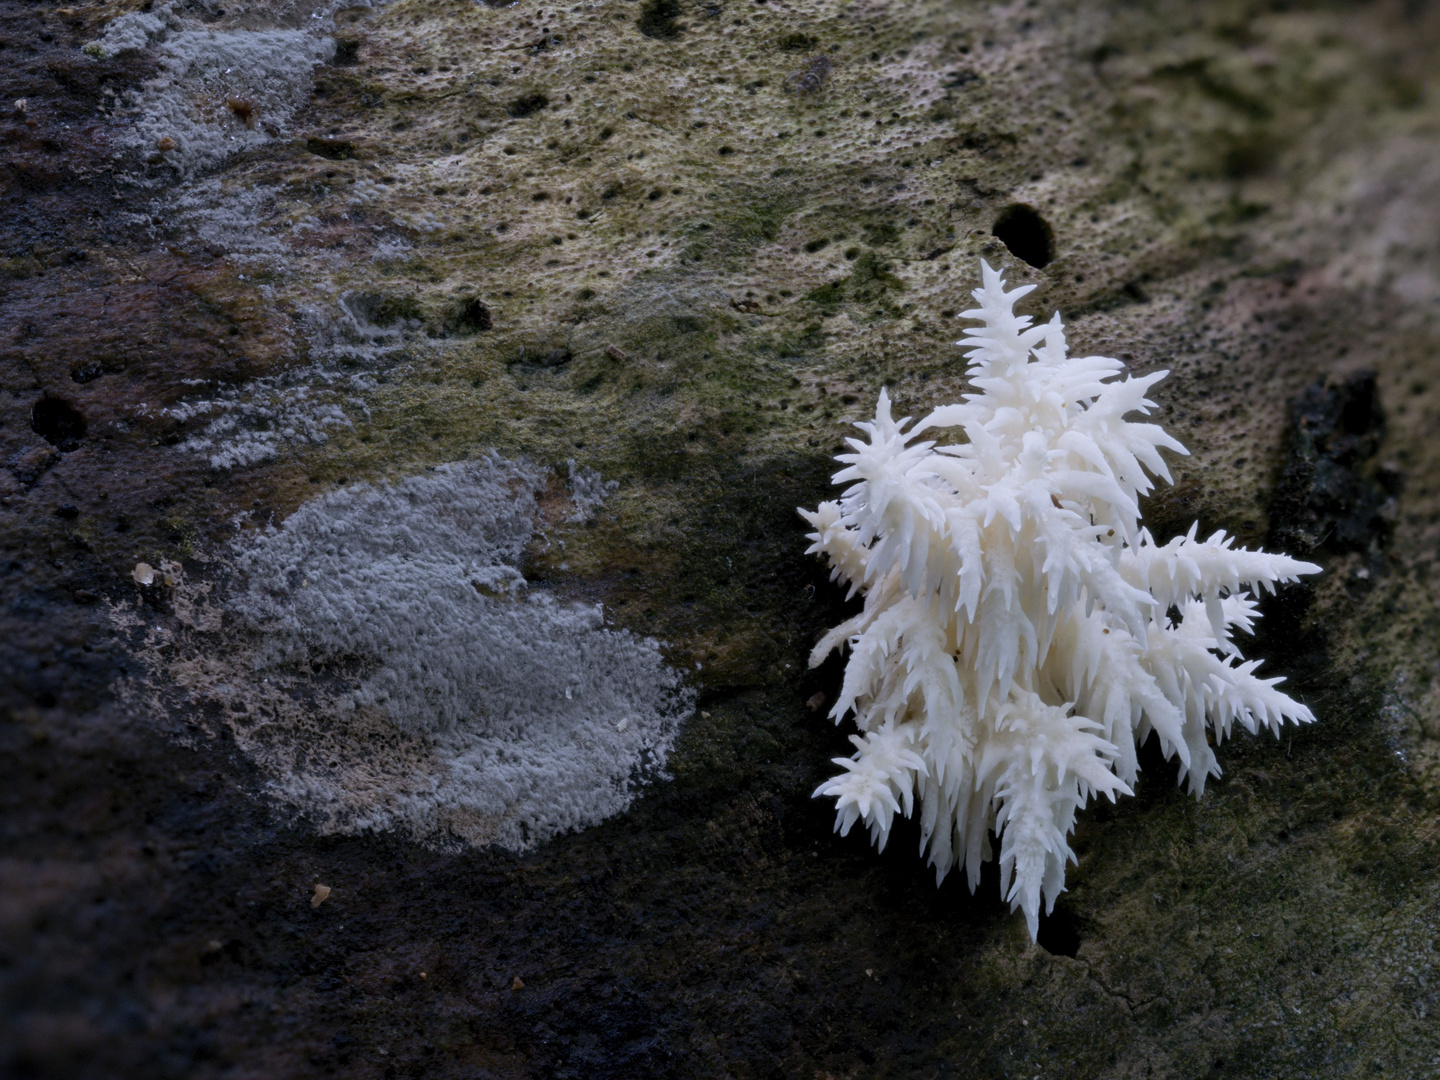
1017, 642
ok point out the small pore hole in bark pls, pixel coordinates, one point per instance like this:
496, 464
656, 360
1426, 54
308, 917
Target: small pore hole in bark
1026, 234
528, 105
658, 19
1059, 933
58, 423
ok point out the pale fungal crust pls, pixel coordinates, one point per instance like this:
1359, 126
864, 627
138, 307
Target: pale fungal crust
218, 92
382, 659
1016, 643
515, 716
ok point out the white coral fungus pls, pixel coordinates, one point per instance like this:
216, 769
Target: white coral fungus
1017, 643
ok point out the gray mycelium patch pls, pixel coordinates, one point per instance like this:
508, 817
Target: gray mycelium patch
250, 424
219, 92
387, 665
230, 82
541, 719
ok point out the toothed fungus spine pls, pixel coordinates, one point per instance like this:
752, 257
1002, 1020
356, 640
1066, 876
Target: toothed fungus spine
1016, 643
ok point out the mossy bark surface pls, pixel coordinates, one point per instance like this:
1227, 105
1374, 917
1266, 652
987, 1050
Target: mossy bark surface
685, 244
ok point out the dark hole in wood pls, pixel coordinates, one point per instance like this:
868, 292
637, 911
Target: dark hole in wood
471, 317
528, 105
657, 19
57, 422
1059, 933
1026, 234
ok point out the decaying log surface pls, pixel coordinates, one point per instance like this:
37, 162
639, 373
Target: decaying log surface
269, 253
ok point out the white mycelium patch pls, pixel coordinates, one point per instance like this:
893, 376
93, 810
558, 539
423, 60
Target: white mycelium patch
408, 600
1015, 645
